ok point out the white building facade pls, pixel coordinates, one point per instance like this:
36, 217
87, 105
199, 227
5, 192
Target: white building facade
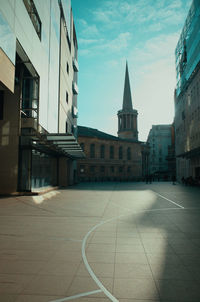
38, 70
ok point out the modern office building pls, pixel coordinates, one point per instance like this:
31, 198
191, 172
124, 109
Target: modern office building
160, 142
38, 95
109, 157
187, 96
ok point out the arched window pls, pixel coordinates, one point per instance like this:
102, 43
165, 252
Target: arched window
82, 146
111, 152
128, 153
120, 152
92, 150
102, 151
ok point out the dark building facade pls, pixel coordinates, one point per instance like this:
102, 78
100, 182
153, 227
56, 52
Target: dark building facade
108, 157
187, 97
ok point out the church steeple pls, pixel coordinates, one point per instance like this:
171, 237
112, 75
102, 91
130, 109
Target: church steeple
127, 117
127, 99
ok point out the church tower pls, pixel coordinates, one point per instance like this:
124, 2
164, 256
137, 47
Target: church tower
127, 116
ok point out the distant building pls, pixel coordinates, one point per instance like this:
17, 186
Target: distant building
38, 95
160, 142
109, 157
187, 96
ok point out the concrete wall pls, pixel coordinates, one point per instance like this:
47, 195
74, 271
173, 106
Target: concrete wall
9, 143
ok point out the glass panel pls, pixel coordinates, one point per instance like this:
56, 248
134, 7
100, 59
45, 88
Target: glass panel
8, 39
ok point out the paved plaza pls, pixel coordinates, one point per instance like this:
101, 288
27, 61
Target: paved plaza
100, 242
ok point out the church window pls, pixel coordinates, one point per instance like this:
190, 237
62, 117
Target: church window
92, 169
120, 169
124, 122
102, 151
92, 150
82, 168
102, 169
111, 152
112, 169
82, 146
128, 153
120, 152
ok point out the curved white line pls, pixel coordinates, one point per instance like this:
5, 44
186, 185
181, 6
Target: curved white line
94, 277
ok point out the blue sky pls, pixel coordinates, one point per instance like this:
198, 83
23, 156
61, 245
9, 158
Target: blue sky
143, 32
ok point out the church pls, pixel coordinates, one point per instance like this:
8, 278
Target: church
114, 158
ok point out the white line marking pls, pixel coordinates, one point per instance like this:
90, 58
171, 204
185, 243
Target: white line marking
178, 205
94, 277
157, 210
78, 296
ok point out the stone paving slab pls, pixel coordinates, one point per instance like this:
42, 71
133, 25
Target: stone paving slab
140, 241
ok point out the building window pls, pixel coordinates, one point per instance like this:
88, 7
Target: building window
67, 68
112, 169
111, 152
102, 169
128, 153
66, 127
82, 168
129, 169
120, 152
1, 104
102, 151
67, 97
32, 11
92, 169
82, 145
92, 150
120, 169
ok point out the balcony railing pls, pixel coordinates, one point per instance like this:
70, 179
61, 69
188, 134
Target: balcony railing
74, 112
75, 65
74, 87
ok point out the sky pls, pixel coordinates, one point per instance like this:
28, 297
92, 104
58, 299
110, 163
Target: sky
143, 32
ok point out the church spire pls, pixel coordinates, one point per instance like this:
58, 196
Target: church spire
127, 116
127, 99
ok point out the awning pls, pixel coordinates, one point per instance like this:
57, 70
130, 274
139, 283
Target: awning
67, 143
57, 144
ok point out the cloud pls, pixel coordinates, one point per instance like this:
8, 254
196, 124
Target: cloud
139, 12
161, 46
103, 46
88, 41
87, 30
117, 44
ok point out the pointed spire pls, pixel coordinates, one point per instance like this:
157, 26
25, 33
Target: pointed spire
127, 99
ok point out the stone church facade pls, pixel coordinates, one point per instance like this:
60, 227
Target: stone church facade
112, 158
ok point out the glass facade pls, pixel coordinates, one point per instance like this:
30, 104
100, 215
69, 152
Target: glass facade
44, 170
188, 48
8, 39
